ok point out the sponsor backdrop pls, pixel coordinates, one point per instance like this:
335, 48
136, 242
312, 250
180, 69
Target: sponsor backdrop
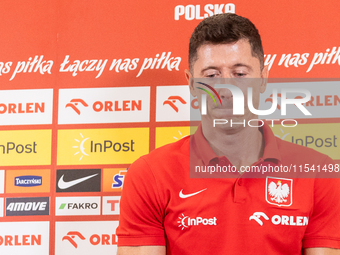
88, 87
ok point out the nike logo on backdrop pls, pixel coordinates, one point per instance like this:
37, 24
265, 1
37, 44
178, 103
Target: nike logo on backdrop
181, 195
65, 185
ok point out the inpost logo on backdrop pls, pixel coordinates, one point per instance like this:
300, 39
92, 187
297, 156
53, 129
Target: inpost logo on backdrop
313, 136
25, 147
102, 146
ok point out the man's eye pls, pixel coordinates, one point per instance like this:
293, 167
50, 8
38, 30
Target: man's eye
213, 75
240, 74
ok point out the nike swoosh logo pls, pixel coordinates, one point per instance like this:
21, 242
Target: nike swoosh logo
181, 195
65, 185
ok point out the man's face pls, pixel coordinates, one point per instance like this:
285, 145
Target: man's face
234, 61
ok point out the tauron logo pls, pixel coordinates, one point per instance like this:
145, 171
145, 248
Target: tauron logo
186, 221
73, 104
71, 235
28, 181
27, 206
172, 100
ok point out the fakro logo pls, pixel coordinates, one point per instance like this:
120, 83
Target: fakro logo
79, 206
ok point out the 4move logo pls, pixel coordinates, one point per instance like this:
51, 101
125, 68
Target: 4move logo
27, 206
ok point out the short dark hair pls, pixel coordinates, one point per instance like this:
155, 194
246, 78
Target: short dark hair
223, 29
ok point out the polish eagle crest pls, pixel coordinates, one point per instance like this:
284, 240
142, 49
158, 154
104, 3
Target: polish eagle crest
279, 191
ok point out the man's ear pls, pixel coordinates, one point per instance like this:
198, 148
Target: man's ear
190, 81
264, 76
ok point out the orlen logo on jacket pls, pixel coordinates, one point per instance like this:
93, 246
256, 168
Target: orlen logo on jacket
186, 221
28, 181
104, 105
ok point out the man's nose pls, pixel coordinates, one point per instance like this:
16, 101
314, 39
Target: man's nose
226, 78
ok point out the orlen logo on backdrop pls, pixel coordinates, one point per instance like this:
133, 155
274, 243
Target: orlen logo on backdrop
23, 107
173, 103
24, 237
323, 103
104, 105
79, 238
198, 12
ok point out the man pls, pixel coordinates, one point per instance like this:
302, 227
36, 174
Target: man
164, 211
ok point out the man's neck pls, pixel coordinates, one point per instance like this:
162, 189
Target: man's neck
242, 147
